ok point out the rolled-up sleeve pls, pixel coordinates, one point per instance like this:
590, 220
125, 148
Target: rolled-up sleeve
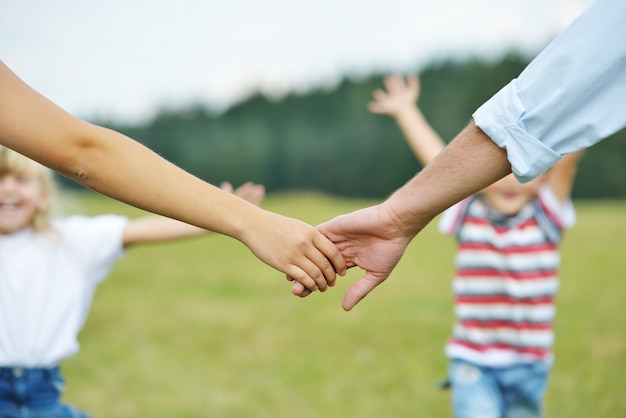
571, 96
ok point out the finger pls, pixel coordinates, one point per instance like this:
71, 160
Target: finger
258, 194
413, 83
244, 188
358, 291
395, 83
379, 95
226, 186
311, 277
299, 290
389, 82
376, 108
379, 99
251, 192
333, 262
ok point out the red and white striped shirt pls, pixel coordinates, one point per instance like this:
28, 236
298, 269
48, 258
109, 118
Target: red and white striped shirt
506, 279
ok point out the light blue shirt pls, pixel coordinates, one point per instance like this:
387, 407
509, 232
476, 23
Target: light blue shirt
571, 96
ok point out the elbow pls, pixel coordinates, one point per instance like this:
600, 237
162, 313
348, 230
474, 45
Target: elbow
81, 174
83, 157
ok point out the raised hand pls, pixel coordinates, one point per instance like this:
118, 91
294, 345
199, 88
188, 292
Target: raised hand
253, 193
397, 96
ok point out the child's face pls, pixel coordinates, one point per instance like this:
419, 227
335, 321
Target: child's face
508, 196
20, 197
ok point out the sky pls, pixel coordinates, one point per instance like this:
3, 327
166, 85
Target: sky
124, 60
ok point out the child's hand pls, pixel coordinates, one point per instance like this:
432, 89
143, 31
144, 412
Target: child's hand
397, 97
253, 193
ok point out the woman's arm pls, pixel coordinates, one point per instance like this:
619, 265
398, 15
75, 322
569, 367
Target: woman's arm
117, 166
156, 228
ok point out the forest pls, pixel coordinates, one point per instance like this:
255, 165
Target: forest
325, 140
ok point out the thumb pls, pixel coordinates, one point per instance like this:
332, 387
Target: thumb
360, 289
299, 290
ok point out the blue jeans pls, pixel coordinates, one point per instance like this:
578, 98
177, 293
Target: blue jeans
33, 393
488, 392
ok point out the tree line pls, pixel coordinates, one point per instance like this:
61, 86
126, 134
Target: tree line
327, 141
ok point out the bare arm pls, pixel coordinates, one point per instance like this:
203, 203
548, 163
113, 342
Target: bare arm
117, 166
399, 102
561, 176
471, 162
156, 228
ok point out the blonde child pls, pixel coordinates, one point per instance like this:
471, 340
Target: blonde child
506, 278
49, 270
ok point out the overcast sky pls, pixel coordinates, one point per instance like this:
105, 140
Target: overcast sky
125, 59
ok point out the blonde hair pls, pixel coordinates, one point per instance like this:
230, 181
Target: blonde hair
12, 162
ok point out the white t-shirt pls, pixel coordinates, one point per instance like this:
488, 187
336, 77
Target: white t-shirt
47, 283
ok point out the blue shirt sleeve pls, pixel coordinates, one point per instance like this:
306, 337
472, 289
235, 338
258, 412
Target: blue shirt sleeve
571, 96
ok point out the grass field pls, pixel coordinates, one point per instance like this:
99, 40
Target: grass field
203, 329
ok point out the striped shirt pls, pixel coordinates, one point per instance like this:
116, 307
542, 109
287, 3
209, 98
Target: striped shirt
506, 279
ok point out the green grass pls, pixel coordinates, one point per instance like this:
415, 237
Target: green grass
203, 329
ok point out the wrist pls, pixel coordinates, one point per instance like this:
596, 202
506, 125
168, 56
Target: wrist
406, 112
407, 212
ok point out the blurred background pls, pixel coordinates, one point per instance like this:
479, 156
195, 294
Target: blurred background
276, 91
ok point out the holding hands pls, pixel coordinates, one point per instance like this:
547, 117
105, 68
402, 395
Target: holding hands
296, 248
371, 238
375, 238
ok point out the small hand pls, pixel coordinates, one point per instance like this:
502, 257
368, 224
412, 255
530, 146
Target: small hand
253, 193
397, 97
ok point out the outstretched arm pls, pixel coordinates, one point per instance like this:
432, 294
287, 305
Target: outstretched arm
399, 102
561, 176
117, 166
156, 228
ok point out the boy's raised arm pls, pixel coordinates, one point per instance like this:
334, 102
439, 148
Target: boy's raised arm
560, 178
399, 101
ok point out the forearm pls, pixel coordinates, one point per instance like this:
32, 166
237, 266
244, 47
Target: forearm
155, 228
132, 173
560, 178
117, 166
112, 163
421, 137
469, 163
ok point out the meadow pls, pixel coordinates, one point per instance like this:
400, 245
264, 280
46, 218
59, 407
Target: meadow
201, 328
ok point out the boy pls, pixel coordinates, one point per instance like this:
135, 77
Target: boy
506, 273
